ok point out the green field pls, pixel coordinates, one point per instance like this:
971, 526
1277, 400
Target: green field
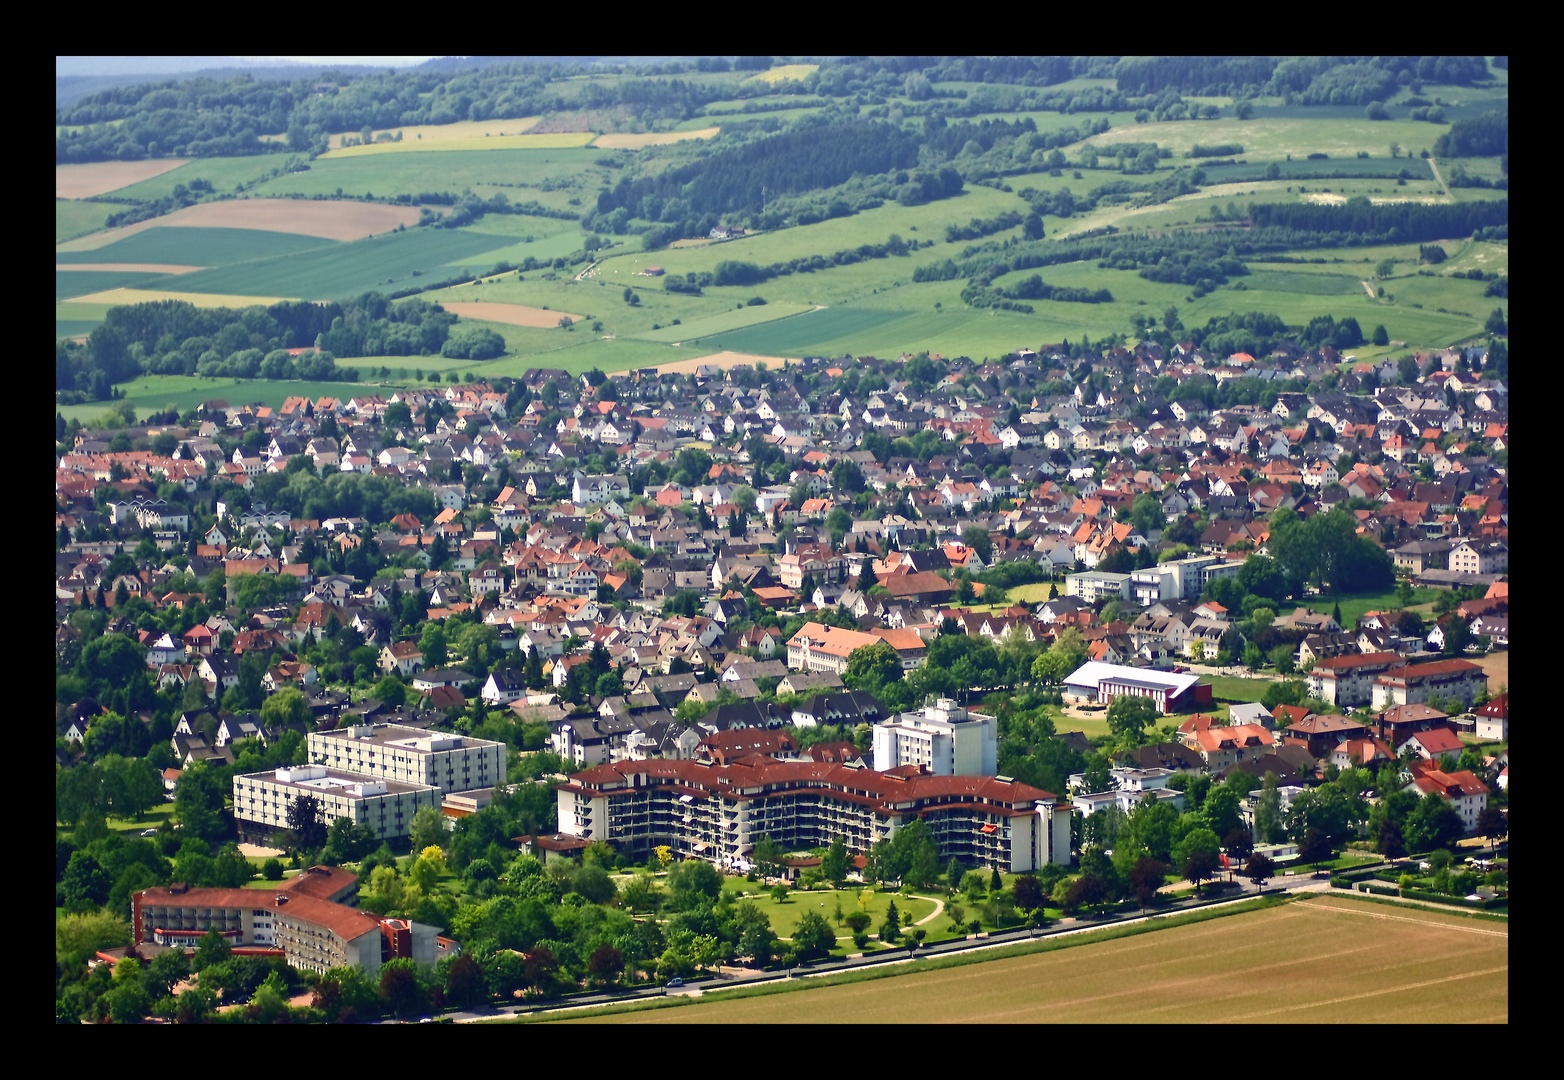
69, 283
568, 173
197, 247
784, 916
224, 174
73, 218
1268, 137
739, 318
1401, 963
1228, 688
804, 333
383, 262
1354, 605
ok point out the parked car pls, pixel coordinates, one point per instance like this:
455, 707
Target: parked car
148, 832
675, 982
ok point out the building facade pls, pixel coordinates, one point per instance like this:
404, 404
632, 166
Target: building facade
1413, 684
817, 647
719, 812
411, 756
1349, 680
263, 801
944, 739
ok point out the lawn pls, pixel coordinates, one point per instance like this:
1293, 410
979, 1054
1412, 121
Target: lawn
784, 916
1227, 688
1354, 605
154, 817
192, 246
1399, 964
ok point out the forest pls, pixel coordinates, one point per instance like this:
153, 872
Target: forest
206, 117
174, 337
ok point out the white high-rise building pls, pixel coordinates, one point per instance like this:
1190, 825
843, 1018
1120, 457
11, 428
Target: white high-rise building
945, 739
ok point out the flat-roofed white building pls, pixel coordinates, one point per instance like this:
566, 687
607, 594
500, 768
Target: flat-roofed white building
411, 756
262, 801
944, 739
1093, 586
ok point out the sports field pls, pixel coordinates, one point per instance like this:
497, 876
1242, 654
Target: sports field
1322, 960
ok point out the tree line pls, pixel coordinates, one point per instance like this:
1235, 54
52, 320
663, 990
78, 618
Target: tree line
1394, 222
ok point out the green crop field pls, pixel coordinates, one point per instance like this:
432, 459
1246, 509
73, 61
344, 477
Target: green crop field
712, 325
1401, 963
69, 283
805, 333
544, 249
384, 262
191, 246
1268, 137
568, 173
224, 174
73, 218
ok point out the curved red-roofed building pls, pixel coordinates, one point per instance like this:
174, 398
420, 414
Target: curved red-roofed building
718, 812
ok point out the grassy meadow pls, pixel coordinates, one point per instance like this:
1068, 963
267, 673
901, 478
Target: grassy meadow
196, 247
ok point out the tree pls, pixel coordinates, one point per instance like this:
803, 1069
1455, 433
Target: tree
1497, 324
287, 708
1457, 634
85, 884
305, 822
399, 990
858, 921
979, 541
1492, 825
1315, 847
1381, 335
432, 644
867, 579
872, 667
1268, 811
1197, 856
1389, 842
390, 691
1145, 878
890, 929
271, 870
1259, 870
1128, 718
813, 937
833, 865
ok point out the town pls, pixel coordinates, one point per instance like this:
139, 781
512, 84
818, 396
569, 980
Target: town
926, 622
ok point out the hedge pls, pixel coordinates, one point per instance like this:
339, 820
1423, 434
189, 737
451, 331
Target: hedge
1461, 901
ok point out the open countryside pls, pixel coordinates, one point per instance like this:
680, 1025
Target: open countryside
869, 539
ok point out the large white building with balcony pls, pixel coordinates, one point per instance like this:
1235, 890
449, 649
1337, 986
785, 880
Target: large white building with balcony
944, 739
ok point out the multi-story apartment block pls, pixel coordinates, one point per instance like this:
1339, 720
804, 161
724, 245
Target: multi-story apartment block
719, 812
1413, 683
411, 756
944, 739
302, 920
1349, 679
263, 801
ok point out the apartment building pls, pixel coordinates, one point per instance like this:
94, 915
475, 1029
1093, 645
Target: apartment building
817, 647
943, 739
1179, 579
718, 812
1413, 684
411, 756
262, 801
1349, 679
1093, 586
303, 919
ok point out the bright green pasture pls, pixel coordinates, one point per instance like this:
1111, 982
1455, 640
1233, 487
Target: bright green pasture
784, 916
1354, 605
1267, 137
713, 325
73, 217
383, 262
515, 172
197, 247
545, 248
69, 283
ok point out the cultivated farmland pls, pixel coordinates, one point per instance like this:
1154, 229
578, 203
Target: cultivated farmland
557, 141
1325, 959
72, 218
388, 261
510, 314
785, 73
447, 133
626, 141
74, 283
115, 297
198, 247
102, 177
